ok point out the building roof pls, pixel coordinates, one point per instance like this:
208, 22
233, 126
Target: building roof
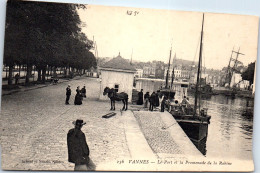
119, 63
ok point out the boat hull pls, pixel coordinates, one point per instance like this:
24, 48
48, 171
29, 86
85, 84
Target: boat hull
194, 129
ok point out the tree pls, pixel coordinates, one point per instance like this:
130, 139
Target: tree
45, 35
248, 74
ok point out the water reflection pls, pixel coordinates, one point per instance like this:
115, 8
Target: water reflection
231, 127
230, 131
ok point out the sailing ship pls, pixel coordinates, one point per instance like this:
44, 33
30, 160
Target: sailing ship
205, 90
193, 120
227, 88
176, 90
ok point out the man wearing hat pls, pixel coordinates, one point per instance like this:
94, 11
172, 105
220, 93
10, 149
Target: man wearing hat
78, 148
68, 93
83, 91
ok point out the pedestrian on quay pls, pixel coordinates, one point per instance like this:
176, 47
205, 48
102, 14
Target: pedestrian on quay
164, 99
78, 90
68, 93
152, 101
78, 97
140, 100
146, 99
78, 150
83, 91
17, 77
157, 100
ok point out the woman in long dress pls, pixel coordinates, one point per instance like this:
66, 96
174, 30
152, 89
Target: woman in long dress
78, 97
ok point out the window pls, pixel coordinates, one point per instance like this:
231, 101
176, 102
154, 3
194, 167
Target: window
116, 87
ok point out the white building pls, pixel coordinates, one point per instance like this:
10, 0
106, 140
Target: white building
179, 73
139, 73
237, 81
149, 71
118, 74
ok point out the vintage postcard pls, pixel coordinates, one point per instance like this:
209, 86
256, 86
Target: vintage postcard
88, 87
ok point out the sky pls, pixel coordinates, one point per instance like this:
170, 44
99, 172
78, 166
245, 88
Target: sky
149, 34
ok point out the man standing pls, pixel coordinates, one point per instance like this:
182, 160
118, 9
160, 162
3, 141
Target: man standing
68, 93
157, 100
163, 103
17, 77
83, 91
78, 150
146, 99
152, 101
140, 100
185, 104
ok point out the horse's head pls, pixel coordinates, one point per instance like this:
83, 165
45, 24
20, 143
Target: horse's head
106, 90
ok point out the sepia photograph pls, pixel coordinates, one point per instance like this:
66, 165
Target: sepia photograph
105, 88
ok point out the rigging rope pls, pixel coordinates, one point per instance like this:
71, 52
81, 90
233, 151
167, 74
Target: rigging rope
196, 50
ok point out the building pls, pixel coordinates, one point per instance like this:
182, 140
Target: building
139, 73
149, 71
118, 74
159, 69
238, 82
180, 73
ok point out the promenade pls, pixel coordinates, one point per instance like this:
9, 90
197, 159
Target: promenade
34, 125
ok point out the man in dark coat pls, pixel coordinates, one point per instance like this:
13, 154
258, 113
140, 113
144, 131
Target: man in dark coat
83, 91
152, 101
157, 100
140, 100
17, 77
68, 93
78, 150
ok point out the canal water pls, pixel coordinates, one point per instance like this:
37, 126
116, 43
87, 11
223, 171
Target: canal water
231, 126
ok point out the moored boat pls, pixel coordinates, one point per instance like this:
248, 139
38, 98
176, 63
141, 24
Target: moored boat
193, 120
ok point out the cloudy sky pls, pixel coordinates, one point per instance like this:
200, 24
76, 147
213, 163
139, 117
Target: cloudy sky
150, 34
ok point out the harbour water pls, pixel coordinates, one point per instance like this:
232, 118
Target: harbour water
231, 129
231, 126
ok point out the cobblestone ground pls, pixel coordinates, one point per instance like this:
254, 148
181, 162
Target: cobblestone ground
159, 140
34, 126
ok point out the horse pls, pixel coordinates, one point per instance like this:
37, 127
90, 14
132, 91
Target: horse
116, 97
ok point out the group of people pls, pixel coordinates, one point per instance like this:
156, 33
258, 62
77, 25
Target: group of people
153, 99
80, 94
158, 100
184, 107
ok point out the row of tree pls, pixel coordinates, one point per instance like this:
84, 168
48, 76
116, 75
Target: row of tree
249, 73
44, 34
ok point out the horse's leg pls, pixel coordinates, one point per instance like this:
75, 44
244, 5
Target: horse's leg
114, 103
111, 104
124, 104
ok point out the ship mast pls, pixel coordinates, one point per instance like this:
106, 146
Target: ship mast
167, 75
234, 66
199, 70
228, 76
173, 69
